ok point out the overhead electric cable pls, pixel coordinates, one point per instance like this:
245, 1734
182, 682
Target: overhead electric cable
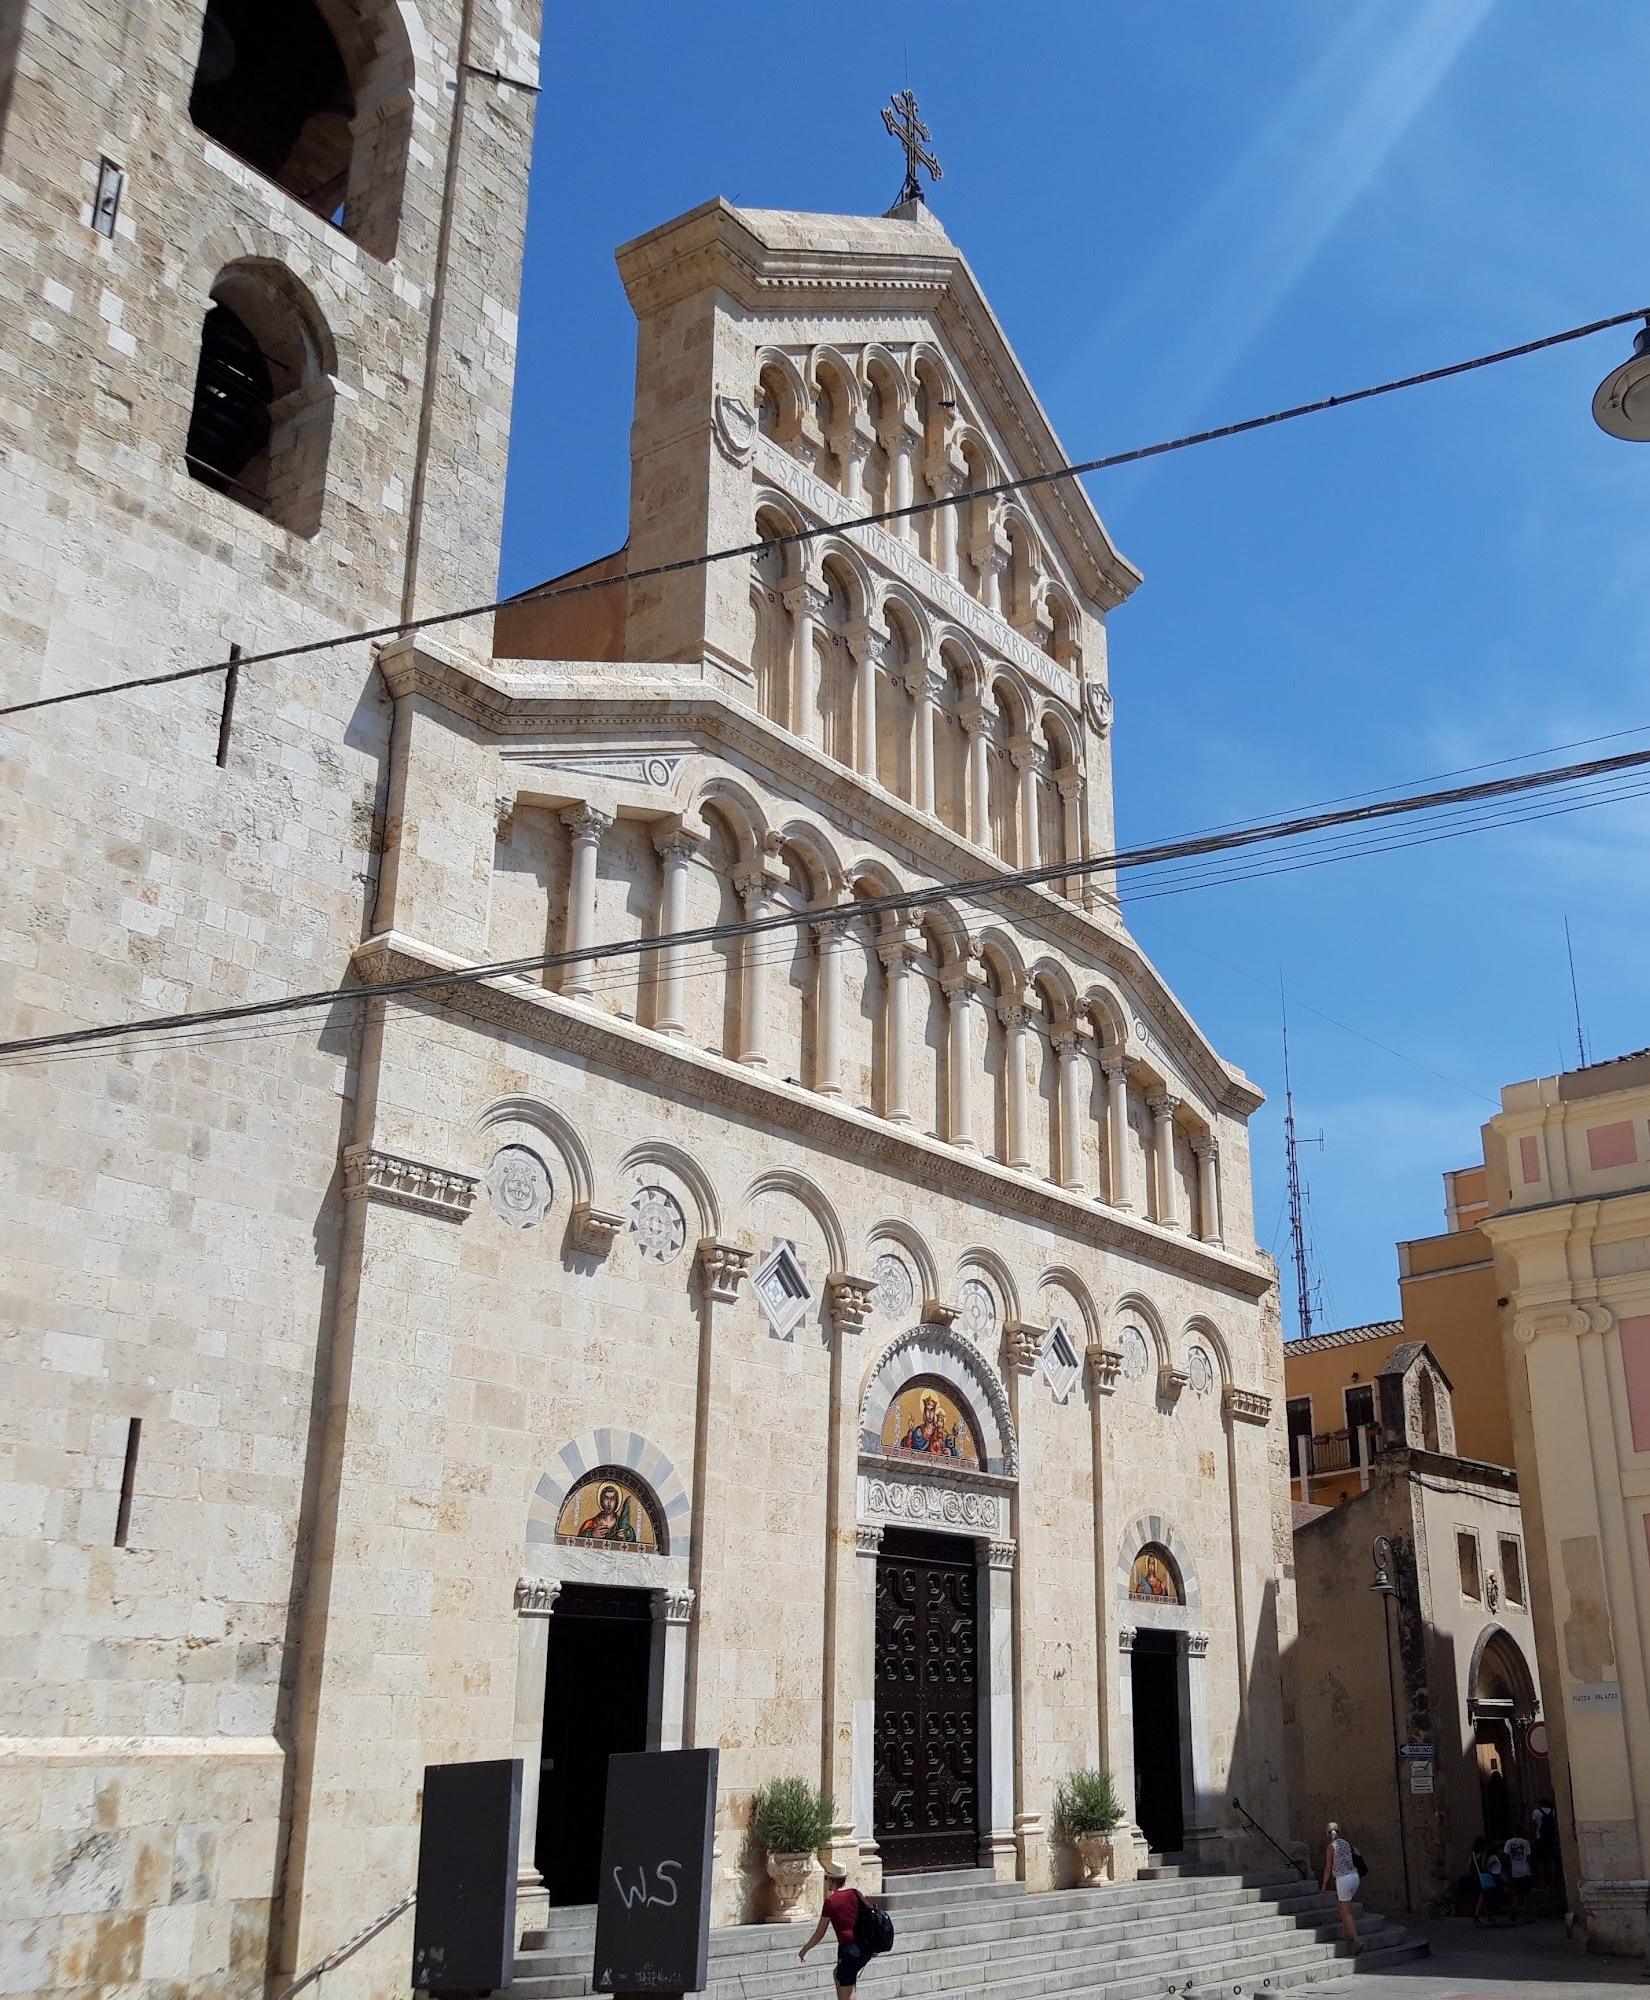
979, 888
545, 593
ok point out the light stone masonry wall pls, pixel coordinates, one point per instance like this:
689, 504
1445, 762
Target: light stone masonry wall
175, 1210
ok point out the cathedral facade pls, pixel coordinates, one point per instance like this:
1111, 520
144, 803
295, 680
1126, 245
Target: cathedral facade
843, 1342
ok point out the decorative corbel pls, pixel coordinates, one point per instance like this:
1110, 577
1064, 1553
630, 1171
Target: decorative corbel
1170, 1382
1247, 1406
936, 1313
592, 1229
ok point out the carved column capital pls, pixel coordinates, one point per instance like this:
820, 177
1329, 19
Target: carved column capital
536, 1596
851, 1301
865, 641
1195, 1643
1105, 1367
1163, 1105
867, 1541
896, 949
1205, 1146
721, 1266
1012, 1014
806, 597
1021, 752
1113, 1061
1125, 1639
1068, 781
1247, 1406
677, 844
504, 816
586, 822
1001, 1555
673, 1605
1022, 1346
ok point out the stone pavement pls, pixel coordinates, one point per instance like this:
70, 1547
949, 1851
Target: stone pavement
1508, 1962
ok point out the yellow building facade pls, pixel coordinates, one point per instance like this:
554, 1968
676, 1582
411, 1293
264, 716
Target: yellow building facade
1568, 1185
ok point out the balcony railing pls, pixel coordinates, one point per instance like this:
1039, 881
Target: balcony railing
1334, 1451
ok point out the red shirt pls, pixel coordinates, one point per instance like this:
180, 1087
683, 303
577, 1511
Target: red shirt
842, 1912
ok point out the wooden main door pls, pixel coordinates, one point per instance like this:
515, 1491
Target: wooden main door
928, 1694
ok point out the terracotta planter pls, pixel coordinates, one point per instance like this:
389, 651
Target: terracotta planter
788, 1877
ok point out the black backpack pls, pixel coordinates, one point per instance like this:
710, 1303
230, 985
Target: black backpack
873, 1929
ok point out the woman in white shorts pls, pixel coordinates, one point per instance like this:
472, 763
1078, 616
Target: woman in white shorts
1341, 1868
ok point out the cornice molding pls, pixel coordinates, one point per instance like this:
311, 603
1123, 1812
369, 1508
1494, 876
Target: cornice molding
555, 706
370, 1174
669, 1066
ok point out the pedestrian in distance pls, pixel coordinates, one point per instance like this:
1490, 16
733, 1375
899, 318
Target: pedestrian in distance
1516, 1851
1544, 1829
1340, 1866
1487, 1868
841, 1913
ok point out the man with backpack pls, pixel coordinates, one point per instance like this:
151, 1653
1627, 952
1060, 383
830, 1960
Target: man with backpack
862, 1930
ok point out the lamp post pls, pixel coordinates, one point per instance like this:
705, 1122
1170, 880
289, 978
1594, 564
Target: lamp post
1386, 1589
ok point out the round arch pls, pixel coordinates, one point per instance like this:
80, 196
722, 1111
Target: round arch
945, 1356
786, 1180
660, 1153
555, 1126
1156, 1530
624, 1451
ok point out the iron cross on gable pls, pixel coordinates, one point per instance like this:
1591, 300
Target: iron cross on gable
904, 124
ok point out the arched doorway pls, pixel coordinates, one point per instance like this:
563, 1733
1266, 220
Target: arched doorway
1501, 1704
936, 1455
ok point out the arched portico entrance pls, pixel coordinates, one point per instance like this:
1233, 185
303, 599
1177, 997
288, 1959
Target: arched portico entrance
1163, 1685
1501, 1705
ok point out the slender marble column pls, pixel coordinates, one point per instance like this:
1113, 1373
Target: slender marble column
895, 952
1163, 1109
1023, 753
896, 441
991, 561
851, 454
1116, 1068
1206, 1151
1068, 1043
868, 649
827, 1009
1069, 782
667, 1668
960, 985
946, 487
974, 719
587, 825
929, 689
676, 850
753, 998
999, 1847
535, 1601
863, 1654
806, 603
1013, 1017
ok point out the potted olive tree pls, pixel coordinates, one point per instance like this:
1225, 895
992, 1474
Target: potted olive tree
1088, 1812
791, 1819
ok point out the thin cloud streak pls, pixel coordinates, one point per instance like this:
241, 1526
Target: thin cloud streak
1212, 291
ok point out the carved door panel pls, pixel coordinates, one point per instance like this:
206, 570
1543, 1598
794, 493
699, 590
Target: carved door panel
927, 1740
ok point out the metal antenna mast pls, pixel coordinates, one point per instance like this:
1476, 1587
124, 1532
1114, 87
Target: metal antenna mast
1297, 1210
1575, 995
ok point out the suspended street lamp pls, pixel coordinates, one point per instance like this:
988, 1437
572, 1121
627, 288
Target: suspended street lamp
1621, 402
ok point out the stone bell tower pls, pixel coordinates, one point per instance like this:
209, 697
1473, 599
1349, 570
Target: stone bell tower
259, 262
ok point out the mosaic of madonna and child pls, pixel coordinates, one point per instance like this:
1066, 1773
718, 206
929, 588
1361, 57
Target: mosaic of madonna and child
925, 1420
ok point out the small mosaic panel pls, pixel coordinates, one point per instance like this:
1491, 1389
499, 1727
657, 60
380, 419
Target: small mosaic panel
610, 1509
1200, 1371
894, 1290
658, 1224
977, 1311
925, 1420
1136, 1356
1154, 1578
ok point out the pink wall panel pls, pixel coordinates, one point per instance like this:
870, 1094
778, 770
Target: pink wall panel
1635, 1364
1611, 1145
1529, 1159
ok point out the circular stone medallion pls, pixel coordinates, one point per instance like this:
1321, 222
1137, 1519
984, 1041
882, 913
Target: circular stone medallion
1133, 1344
657, 1223
978, 1311
1200, 1371
894, 1290
518, 1185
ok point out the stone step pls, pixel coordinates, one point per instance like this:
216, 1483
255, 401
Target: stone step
1095, 1915
978, 1939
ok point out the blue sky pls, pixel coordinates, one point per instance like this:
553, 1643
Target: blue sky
1188, 215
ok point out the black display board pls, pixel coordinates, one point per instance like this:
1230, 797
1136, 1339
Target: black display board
464, 1923
653, 1909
